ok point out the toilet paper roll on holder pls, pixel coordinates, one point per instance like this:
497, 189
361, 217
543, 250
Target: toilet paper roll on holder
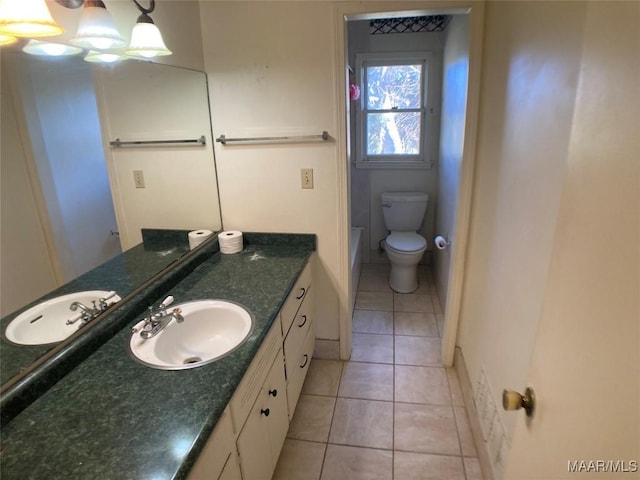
441, 242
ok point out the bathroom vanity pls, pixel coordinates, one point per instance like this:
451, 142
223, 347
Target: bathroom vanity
112, 417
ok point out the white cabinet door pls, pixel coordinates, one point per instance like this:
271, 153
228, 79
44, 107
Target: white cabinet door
274, 397
255, 456
263, 434
231, 470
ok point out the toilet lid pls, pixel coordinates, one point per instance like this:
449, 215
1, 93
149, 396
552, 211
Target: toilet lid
406, 241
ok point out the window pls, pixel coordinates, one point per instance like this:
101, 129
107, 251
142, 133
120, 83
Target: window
392, 117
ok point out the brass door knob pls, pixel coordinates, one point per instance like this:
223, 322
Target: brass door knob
512, 400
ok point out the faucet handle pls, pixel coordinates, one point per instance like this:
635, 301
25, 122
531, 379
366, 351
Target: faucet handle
167, 301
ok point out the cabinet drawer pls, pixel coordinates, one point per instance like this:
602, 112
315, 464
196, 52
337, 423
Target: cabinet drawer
298, 331
295, 298
297, 370
246, 393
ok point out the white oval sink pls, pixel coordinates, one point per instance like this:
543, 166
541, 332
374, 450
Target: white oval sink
47, 321
210, 330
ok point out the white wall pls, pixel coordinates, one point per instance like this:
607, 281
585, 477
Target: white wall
23, 277
586, 358
271, 73
143, 101
455, 70
64, 131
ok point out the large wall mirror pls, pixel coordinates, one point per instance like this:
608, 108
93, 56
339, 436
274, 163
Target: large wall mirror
74, 204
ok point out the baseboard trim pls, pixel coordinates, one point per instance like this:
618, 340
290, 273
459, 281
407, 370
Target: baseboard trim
472, 413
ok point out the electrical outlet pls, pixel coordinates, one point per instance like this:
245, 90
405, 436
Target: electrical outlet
306, 178
138, 178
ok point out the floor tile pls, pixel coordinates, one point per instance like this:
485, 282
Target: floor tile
374, 301
420, 466
300, 460
423, 351
374, 282
472, 469
367, 347
415, 323
354, 463
323, 377
427, 385
373, 321
412, 302
425, 429
464, 432
312, 418
372, 381
363, 423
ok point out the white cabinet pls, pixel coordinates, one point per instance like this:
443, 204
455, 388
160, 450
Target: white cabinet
299, 336
263, 434
218, 459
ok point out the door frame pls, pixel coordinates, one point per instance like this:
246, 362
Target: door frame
363, 10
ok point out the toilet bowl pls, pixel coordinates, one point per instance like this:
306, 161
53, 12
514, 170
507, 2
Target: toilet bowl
403, 214
404, 250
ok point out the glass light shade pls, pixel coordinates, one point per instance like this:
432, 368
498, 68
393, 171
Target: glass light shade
101, 57
37, 47
146, 41
7, 40
97, 30
27, 18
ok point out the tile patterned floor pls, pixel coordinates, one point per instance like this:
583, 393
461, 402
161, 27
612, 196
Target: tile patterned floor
392, 411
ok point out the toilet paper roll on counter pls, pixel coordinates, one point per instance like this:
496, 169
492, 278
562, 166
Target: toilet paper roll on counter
230, 241
441, 242
196, 237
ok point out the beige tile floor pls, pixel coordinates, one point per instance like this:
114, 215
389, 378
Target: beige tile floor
392, 411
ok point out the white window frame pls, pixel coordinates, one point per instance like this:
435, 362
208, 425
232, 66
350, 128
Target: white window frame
421, 160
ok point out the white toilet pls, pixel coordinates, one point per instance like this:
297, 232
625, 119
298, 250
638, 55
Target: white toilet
403, 214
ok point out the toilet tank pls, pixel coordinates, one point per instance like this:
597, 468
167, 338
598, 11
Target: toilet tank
404, 211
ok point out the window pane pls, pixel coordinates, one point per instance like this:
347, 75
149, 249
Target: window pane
393, 133
393, 86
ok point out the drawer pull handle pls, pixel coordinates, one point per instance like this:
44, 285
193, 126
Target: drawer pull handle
265, 412
303, 291
273, 393
306, 360
304, 320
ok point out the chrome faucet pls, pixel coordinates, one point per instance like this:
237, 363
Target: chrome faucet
159, 318
89, 313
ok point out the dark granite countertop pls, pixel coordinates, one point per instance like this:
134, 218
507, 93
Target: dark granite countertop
113, 418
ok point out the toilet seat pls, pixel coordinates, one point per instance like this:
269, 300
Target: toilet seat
406, 242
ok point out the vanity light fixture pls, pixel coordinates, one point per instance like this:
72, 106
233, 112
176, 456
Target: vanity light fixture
96, 28
27, 18
146, 39
37, 47
102, 57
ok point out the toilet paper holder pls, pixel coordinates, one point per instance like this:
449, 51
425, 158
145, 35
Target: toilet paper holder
442, 241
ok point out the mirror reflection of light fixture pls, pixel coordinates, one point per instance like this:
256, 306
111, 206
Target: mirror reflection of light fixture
96, 28
146, 39
102, 57
27, 18
7, 40
37, 47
